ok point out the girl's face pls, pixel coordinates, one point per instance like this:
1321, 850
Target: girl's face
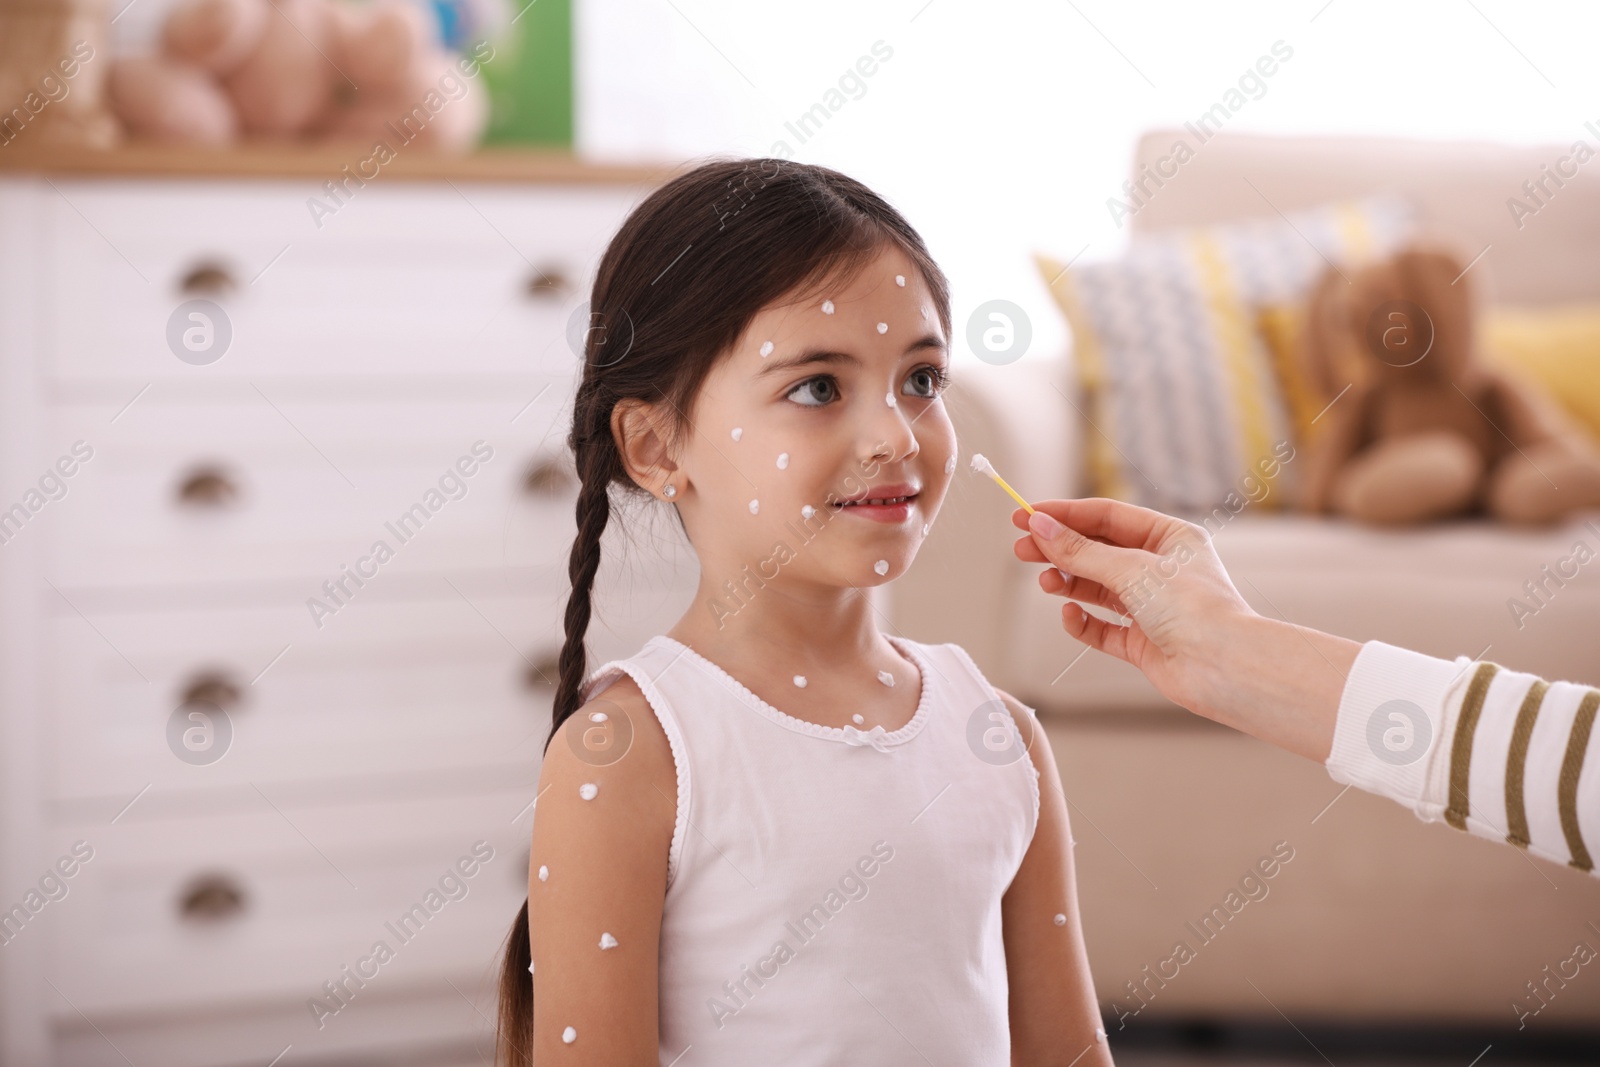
838, 396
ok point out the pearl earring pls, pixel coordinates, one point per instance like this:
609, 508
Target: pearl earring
670, 490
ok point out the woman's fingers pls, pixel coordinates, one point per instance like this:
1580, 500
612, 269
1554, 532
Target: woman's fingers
1115, 522
1074, 587
1107, 637
1076, 554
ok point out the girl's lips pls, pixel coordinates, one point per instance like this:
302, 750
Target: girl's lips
890, 513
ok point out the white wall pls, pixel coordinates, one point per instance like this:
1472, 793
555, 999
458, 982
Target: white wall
1003, 126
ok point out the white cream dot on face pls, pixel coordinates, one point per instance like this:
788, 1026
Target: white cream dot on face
888, 398
883, 327
807, 511
783, 461
1099, 1034
569, 1035
544, 873
924, 312
882, 566
755, 506
924, 529
1060, 920
900, 280
530, 966
827, 307
857, 718
800, 680
607, 941
950, 465
886, 678
587, 790
766, 349
738, 432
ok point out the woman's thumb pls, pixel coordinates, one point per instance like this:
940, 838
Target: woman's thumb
1074, 553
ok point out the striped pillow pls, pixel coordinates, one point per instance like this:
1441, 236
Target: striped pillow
1187, 409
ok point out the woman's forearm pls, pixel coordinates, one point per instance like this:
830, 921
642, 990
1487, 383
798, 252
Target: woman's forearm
1278, 682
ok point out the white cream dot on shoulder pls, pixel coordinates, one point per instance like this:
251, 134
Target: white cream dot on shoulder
569, 1035
738, 432
800, 680
607, 941
544, 873
588, 790
886, 678
783, 461
857, 719
755, 506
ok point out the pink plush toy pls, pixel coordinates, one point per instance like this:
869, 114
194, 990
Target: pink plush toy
298, 69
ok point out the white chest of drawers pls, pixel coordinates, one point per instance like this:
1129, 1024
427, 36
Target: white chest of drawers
208, 578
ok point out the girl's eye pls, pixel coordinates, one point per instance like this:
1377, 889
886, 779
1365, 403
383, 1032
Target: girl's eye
937, 378
807, 388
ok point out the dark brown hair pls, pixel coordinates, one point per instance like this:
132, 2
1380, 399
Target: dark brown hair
678, 285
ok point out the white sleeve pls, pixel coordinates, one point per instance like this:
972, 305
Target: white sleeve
1498, 753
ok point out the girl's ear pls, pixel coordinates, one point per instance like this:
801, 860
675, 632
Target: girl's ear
640, 430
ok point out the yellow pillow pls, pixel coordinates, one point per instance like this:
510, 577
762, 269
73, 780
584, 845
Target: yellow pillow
1557, 348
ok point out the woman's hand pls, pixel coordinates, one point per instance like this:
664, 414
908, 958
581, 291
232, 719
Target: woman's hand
1197, 640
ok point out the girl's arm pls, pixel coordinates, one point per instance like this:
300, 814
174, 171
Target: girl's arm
606, 859
1054, 1017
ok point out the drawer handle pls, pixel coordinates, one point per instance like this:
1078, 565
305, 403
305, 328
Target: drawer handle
550, 282
208, 278
549, 477
214, 688
211, 898
208, 487
544, 672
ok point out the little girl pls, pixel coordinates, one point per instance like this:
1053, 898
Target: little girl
777, 835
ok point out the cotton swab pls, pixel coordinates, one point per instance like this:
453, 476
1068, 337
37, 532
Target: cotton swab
983, 466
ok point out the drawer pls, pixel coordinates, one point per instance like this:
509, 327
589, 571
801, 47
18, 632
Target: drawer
263, 906
201, 493
384, 688
408, 280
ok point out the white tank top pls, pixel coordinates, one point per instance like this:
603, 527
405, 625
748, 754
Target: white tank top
833, 895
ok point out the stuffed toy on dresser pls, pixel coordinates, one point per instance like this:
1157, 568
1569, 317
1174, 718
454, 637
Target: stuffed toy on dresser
1426, 429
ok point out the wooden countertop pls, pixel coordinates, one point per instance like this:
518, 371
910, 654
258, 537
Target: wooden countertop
325, 161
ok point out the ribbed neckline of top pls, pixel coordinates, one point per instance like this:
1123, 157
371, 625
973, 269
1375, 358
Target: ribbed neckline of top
804, 726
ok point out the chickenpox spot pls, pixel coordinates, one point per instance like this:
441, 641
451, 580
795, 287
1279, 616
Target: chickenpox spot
886, 678
950, 465
587, 790
597, 716
738, 432
607, 941
766, 349
807, 511
800, 680
569, 1035
882, 566
827, 307
888, 398
900, 280
857, 718
755, 506
544, 873
783, 461
924, 529
1060, 919
883, 327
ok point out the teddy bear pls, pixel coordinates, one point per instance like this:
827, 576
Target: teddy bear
1418, 427
301, 69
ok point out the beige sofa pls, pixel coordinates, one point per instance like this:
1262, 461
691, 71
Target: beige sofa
1379, 915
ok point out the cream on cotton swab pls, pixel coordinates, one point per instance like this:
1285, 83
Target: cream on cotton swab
983, 466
